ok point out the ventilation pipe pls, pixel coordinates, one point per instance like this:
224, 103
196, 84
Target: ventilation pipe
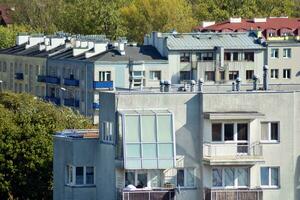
193, 83
167, 86
238, 83
255, 79
200, 87
233, 86
162, 85
266, 84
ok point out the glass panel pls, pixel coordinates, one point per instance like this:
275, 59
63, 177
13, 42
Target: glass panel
274, 131
132, 128
165, 164
165, 151
149, 151
216, 132
148, 129
274, 177
133, 151
229, 176
242, 176
79, 175
180, 177
133, 164
164, 128
217, 177
190, 182
264, 131
264, 175
149, 164
142, 180
129, 178
155, 178
228, 131
89, 175
242, 131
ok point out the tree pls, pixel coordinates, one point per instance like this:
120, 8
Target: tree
26, 150
143, 16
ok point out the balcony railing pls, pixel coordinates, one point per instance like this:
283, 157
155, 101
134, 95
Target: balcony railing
233, 194
19, 76
71, 82
103, 84
159, 194
53, 100
232, 149
52, 80
41, 78
71, 102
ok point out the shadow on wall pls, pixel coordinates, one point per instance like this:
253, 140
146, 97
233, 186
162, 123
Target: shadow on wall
298, 74
297, 179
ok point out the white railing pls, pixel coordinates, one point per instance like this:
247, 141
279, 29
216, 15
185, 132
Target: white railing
233, 194
163, 194
231, 149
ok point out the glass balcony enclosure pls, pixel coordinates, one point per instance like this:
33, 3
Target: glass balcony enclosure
148, 139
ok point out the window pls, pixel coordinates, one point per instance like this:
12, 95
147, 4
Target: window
209, 76
80, 175
230, 132
270, 131
155, 75
138, 73
26, 69
143, 178
274, 53
235, 56
287, 73
186, 177
185, 75
274, 73
287, 53
227, 56
249, 56
205, 56
222, 75
216, 132
104, 76
233, 75
107, 131
230, 177
4, 66
184, 57
249, 74
269, 177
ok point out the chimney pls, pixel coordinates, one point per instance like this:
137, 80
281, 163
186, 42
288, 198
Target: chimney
22, 39
255, 79
34, 40
82, 47
235, 20
99, 47
162, 85
266, 84
167, 86
193, 83
208, 23
121, 45
200, 87
238, 84
255, 20
54, 42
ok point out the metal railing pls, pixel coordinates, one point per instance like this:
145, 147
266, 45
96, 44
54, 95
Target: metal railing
233, 194
160, 194
232, 149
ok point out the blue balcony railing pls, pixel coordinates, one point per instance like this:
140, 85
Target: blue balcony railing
103, 84
96, 105
41, 78
52, 79
71, 102
71, 82
19, 76
53, 100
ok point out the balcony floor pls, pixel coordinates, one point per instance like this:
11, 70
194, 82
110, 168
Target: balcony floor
233, 160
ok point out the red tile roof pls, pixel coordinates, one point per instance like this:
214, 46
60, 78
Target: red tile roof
5, 15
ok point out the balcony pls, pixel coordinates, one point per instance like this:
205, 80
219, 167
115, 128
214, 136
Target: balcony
232, 153
71, 82
157, 194
19, 76
71, 102
233, 194
41, 78
103, 84
52, 80
96, 105
53, 100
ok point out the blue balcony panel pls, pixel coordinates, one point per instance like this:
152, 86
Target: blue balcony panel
19, 76
103, 84
53, 100
52, 80
96, 105
71, 102
71, 82
41, 78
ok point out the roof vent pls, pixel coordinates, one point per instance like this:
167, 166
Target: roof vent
235, 20
255, 20
208, 23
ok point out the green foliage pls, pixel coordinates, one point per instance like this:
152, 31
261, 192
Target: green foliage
26, 150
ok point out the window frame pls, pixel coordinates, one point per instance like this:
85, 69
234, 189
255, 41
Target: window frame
269, 140
185, 172
274, 73
210, 76
247, 74
107, 132
274, 53
270, 186
153, 75
287, 53
235, 131
104, 76
71, 180
185, 57
286, 73
233, 73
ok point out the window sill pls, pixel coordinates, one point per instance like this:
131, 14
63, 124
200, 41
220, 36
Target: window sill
270, 187
80, 186
269, 142
186, 188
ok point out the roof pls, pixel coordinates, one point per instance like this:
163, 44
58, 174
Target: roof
276, 23
198, 41
5, 16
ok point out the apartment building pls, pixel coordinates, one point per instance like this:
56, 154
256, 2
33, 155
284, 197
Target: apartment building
209, 144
